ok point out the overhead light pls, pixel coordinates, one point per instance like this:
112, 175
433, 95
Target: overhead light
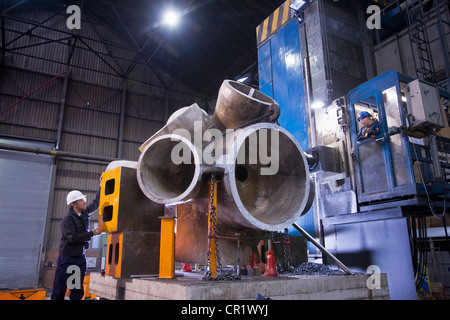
297, 4
171, 18
317, 104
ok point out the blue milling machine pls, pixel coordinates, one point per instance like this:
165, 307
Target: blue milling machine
372, 195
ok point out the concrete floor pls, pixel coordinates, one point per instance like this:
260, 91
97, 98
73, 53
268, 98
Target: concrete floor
189, 286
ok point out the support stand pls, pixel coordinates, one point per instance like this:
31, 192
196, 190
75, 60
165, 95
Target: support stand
167, 246
212, 222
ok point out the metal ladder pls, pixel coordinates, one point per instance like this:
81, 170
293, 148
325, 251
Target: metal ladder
422, 16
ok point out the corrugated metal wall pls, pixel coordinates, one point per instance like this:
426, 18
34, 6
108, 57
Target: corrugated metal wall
92, 103
22, 226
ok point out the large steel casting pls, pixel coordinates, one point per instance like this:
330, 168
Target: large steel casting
265, 182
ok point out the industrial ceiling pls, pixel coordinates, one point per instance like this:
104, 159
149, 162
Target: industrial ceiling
214, 40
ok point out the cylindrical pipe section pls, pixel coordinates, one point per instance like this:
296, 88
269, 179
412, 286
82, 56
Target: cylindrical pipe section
239, 104
169, 169
268, 185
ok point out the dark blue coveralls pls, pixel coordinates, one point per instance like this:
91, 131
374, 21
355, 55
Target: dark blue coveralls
373, 130
75, 239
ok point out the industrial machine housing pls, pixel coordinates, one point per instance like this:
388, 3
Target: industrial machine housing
368, 193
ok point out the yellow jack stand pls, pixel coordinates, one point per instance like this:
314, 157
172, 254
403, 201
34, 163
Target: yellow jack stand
167, 249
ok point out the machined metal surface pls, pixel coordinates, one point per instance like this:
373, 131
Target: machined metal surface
183, 122
191, 243
237, 104
267, 194
164, 181
263, 177
254, 198
266, 182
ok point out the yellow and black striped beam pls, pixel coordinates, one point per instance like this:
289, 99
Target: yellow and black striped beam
274, 22
381, 2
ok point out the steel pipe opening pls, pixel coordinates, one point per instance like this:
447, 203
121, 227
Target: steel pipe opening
169, 169
272, 189
239, 104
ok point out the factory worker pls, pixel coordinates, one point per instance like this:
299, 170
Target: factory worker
71, 265
371, 126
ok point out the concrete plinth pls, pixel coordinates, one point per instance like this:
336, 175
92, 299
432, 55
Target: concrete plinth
191, 287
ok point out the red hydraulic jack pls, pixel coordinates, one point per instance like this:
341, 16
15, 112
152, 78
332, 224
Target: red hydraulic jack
252, 260
271, 268
186, 267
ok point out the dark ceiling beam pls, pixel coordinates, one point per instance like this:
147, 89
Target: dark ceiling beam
233, 21
140, 50
237, 67
120, 34
221, 44
48, 40
108, 48
34, 27
146, 55
67, 32
40, 43
99, 56
12, 7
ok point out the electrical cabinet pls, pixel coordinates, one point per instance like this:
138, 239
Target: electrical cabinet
424, 106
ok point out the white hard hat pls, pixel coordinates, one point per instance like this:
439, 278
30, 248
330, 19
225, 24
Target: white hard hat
74, 195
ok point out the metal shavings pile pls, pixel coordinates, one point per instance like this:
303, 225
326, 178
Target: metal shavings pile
311, 269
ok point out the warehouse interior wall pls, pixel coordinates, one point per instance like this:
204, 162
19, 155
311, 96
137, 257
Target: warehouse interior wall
82, 92
25, 180
399, 52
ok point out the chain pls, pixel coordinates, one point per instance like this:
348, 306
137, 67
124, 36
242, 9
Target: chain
287, 251
284, 242
274, 249
213, 217
213, 222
